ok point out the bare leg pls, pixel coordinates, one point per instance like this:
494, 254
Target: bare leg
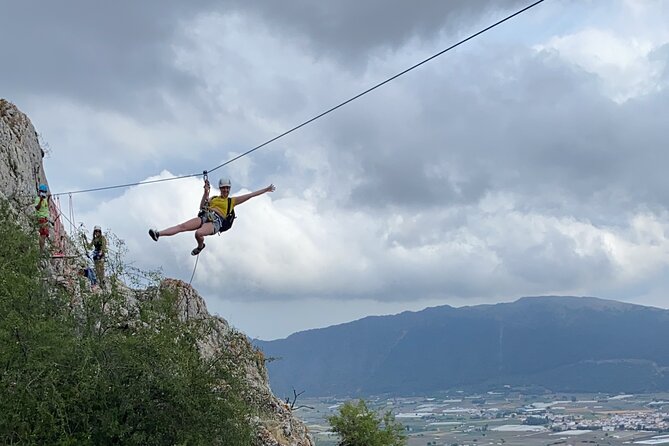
206, 229
190, 225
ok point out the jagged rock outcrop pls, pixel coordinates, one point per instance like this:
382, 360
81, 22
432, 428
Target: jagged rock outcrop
21, 169
278, 427
20, 157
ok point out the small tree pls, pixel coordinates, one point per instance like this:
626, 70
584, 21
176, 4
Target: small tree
357, 425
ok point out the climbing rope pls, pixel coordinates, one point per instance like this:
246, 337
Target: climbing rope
197, 257
72, 219
74, 232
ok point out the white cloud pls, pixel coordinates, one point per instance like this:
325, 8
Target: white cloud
641, 250
620, 49
286, 248
623, 64
282, 252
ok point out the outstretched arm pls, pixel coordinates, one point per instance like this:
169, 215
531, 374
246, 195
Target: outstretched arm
242, 198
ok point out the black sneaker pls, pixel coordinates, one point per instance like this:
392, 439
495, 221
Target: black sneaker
154, 234
197, 250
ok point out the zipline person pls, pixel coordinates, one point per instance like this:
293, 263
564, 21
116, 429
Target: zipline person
216, 214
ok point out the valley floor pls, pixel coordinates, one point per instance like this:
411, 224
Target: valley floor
509, 418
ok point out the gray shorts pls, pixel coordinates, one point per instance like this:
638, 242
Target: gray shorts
212, 217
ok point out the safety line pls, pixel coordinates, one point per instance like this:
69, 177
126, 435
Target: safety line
74, 233
77, 233
197, 257
328, 111
62, 214
71, 206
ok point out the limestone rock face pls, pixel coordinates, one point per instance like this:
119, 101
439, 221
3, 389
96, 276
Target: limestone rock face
21, 170
20, 157
278, 427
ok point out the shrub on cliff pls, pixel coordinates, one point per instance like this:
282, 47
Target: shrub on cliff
90, 375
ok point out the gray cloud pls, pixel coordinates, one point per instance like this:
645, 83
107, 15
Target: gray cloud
348, 30
120, 54
120, 57
555, 263
106, 54
508, 119
545, 132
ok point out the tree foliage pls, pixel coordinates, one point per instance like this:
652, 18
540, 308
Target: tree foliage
87, 374
357, 425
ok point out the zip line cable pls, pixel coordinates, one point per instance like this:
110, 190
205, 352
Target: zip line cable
96, 189
328, 111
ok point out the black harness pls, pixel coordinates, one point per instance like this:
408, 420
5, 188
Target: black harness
226, 222
229, 218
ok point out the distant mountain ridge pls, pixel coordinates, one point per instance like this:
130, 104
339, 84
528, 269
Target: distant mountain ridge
561, 343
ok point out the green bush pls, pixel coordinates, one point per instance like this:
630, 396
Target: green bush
90, 375
357, 425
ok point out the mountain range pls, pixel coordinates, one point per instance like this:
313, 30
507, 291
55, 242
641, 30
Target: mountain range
557, 343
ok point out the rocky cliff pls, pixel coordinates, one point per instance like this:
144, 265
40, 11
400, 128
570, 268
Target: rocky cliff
21, 156
279, 426
21, 170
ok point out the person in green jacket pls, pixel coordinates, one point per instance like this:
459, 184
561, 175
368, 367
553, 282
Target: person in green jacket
99, 247
42, 214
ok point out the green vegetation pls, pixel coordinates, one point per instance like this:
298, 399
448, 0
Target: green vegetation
78, 369
357, 425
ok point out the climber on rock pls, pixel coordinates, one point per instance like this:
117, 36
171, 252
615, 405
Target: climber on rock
216, 214
42, 214
99, 246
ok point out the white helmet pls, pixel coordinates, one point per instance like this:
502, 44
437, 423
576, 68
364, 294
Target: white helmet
97, 228
224, 182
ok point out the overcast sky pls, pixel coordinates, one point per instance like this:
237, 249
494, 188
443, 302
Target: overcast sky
531, 160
